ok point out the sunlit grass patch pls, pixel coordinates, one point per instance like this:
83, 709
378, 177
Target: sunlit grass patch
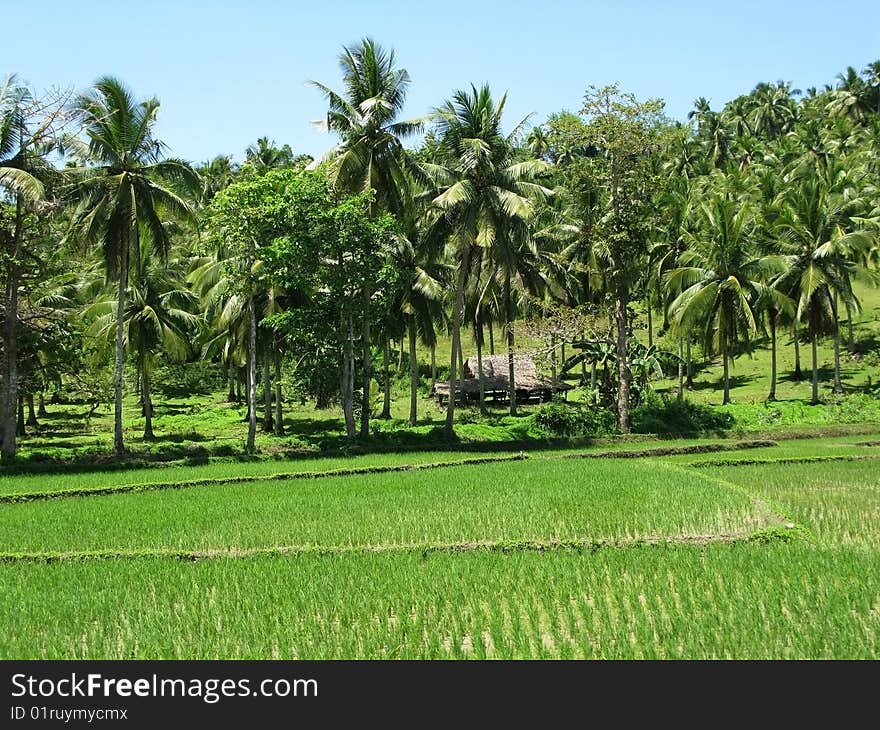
839, 502
507, 501
743, 601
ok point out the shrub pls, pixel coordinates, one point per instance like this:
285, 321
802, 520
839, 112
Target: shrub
179, 380
572, 420
673, 416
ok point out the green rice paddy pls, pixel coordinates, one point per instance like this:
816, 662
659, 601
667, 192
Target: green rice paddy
653, 557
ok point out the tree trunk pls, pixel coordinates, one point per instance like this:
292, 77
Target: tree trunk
689, 381
367, 367
772, 395
386, 377
813, 343
491, 338
650, 328
231, 397
251, 444
680, 367
456, 342
508, 324
119, 361
851, 344
9, 429
401, 354
726, 378
798, 373
480, 369
279, 405
622, 361
433, 365
148, 401
348, 382
41, 406
268, 421
413, 373
460, 356
19, 423
32, 414
838, 386
553, 370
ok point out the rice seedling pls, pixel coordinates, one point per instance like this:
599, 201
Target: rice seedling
721, 601
548, 500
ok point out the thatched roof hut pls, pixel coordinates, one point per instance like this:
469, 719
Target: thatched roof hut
496, 381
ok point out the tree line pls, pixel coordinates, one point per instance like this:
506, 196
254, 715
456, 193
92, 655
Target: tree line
737, 224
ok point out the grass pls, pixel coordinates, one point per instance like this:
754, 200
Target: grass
840, 501
546, 500
661, 555
722, 601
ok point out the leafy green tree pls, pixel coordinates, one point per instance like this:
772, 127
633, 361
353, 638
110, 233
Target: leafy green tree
627, 133
370, 156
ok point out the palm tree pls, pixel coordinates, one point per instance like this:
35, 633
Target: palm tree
125, 189
21, 167
773, 111
415, 257
158, 316
719, 279
487, 196
851, 98
370, 155
821, 261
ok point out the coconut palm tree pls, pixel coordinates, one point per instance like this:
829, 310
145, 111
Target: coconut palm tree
159, 316
370, 155
821, 260
719, 279
23, 171
416, 257
125, 190
487, 196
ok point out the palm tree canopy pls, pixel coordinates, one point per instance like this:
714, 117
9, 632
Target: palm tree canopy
365, 115
126, 188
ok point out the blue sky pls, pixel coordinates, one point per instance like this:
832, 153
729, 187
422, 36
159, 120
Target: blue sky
228, 72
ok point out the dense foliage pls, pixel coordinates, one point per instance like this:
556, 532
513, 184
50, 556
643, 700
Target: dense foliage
287, 278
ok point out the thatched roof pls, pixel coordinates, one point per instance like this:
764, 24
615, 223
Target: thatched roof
496, 376
497, 366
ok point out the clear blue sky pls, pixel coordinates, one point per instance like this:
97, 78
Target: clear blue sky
229, 71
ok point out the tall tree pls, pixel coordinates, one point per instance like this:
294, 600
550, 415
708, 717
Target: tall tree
370, 155
720, 280
126, 189
27, 130
159, 316
821, 260
486, 194
626, 133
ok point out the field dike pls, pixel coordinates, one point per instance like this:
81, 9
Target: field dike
777, 533
354, 471
784, 460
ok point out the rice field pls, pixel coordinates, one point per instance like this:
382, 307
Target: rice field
661, 556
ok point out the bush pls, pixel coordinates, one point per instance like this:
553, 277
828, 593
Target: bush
673, 416
180, 380
572, 420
